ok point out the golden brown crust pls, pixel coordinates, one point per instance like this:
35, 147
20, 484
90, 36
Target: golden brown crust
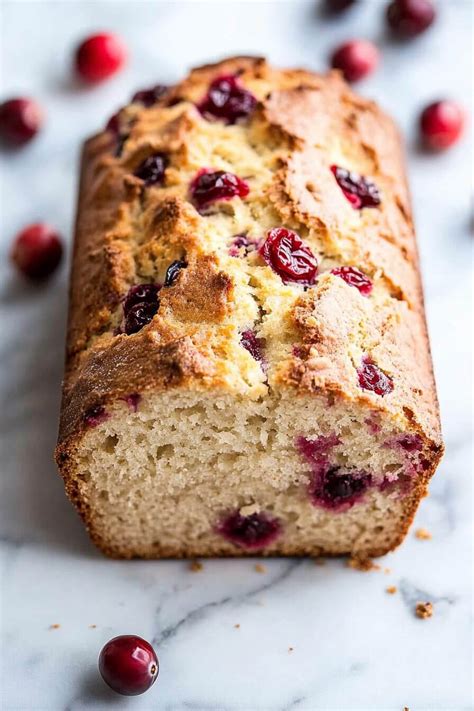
126, 235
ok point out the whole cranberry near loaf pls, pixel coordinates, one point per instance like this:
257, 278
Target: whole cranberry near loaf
248, 367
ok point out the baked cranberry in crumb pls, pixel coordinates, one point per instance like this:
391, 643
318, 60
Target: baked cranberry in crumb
133, 400
356, 59
242, 245
37, 251
99, 57
354, 277
441, 124
339, 489
173, 271
360, 191
285, 252
408, 18
20, 120
252, 532
253, 345
139, 306
129, 665
227, 100
148, 97
210, 185
152, 169
95, 415
372, 378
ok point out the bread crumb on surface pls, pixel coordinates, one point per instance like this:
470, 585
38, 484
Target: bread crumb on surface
423, 534
195, 566
362, 564
387, 571
260, 568
405, 708
54, 627
320, 561
424, 610
237, 626
290, 649
392, 589
92, 627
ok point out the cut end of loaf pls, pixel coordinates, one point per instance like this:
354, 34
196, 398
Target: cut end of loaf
182, 474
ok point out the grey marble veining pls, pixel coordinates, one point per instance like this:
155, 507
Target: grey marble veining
354, 646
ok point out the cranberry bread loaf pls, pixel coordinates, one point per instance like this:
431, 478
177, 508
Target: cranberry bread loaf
248, 367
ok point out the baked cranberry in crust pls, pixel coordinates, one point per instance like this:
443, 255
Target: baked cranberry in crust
330, 450
212, 185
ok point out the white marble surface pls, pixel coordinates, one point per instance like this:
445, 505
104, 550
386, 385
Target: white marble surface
355, 647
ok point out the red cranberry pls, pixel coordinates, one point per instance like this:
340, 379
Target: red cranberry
227, 100
253, 345
360, 191
441, 124
139, 293
252, 532
37, 251
408, 18
211, 185
372, 378
356, 59
129, 665
354, 277
288, 256
99, 57
148, 97
173, 271
339, 489
20, 120
152, 169
140, 305
95, 415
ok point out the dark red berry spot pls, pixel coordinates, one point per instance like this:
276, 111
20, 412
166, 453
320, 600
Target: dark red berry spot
255, 346
140, 305
252, 532
148, 97
152, 169
129, 665
37, 251
360, 191
313, 449
356, 59
408, 442
210, 185
288, 256
99, 57
133, 400
339, 489
173, 271
441, 124
20, 120
227, 100
372, 378
95, 415
354, 277
408, 18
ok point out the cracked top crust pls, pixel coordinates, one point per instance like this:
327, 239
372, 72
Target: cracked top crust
315, 339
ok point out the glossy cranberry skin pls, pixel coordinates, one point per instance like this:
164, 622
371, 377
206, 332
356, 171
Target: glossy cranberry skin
372, 378
251, 532
99, 57
356, 59
211, 185
129, 665
139, 306
359, 191
37, 251
354, 277
285, 252
408, 18
227, 100
441, 124
173, 271
20, 120
152, 169
148, 97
